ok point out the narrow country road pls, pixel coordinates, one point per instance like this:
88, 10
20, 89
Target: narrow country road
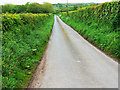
72, 62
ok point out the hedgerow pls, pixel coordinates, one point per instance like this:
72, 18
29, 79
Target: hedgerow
99, 24
24, 40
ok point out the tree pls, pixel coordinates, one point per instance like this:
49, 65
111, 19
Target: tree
30, 8
80, 6
7, 8
21, 9
75, 7
48, 8
27, 3
35, 8
59, 5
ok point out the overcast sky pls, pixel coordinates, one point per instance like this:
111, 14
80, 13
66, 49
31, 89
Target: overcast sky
20, 2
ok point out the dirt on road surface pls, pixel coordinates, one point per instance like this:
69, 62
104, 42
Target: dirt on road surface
72, 62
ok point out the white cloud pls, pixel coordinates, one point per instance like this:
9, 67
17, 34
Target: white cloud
19, 2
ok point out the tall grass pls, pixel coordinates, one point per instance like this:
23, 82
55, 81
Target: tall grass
24, 40
99, 24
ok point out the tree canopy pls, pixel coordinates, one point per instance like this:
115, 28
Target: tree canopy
28, 8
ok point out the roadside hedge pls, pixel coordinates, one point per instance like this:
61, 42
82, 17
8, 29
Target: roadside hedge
11, 20
24, 39
99, 24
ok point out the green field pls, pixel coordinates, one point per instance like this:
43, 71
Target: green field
62, 7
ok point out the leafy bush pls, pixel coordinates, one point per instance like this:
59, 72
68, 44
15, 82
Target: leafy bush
99, 24
24, 40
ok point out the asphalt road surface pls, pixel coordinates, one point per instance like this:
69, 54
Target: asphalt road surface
72, 62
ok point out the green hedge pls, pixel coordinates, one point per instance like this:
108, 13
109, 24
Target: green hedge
99, 24
24, 40
11, 20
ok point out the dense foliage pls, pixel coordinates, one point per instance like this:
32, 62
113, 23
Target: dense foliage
99, 24
24, 40
28, 8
